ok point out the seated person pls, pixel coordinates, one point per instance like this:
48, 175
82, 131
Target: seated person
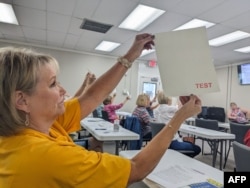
110, 108
152, 106
141, 112
237, 114
164, 114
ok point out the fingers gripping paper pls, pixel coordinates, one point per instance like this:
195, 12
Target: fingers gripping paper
185, 62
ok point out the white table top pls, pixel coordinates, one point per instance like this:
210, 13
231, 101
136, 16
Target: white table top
206, 133
103, 130
171, 158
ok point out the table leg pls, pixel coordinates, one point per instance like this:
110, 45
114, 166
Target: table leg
117, 143
221, 153
214, 152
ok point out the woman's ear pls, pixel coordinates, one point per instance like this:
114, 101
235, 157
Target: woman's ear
21, 101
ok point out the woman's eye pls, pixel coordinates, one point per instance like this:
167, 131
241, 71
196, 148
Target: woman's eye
53, 84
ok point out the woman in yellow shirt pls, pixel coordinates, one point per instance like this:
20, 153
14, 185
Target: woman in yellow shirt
35, 149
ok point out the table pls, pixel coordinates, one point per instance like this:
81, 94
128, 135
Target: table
172, 157
103, 130
212, 135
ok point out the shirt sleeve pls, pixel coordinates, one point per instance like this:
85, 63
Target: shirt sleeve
70, 119
114, 107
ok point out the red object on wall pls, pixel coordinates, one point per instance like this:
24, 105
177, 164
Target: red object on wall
152, 63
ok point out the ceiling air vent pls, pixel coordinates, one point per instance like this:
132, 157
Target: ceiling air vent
95, 26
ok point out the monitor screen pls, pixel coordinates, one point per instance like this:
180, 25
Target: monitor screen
244, 73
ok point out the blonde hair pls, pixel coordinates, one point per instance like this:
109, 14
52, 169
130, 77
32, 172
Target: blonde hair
19, 70
142, 100
162, 99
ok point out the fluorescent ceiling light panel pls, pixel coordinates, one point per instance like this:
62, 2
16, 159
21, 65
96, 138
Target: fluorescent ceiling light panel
7, 14
146, 52
231, 37
195, 23
140, 17
243, 50
107, 46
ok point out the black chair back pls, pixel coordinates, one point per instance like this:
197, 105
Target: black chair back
239, 130
241, 157
207, 124
95, 113
156, 127
105, 115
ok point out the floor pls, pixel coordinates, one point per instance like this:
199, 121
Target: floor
110, 148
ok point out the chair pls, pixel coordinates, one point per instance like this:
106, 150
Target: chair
239, 130
156, 127
207, 124
105, 115
132, 123
241, 157
95, 113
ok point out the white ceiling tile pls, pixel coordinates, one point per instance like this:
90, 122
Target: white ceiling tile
65, 7
55, 38
70, 41
58, 22
85, 8
74, 27
227, 10
10, 29
241, 21
164, 5
88, 36
113, 14
167, 22
32, 33
218, 30
31, 17
37, 4
194, 8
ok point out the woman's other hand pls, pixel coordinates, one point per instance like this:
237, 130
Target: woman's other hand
191, 105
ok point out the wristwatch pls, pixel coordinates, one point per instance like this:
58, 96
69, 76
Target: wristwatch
126, 63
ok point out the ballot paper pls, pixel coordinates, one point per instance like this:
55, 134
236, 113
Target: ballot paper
177, 176
185, 62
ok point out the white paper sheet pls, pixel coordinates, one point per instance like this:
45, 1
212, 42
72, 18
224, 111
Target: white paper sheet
185, 62
177, 176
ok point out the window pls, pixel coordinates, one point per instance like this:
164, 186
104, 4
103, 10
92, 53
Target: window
150, 89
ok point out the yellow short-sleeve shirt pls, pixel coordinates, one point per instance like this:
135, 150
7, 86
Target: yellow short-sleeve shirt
35, 160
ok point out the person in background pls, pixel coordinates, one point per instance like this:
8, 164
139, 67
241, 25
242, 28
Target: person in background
163, 114
237, 114
152, 106
93, 143
35, 121
141, 112
110, 108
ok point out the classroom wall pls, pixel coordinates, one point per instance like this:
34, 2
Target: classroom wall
74, 66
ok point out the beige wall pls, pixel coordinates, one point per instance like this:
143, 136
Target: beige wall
74, 66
